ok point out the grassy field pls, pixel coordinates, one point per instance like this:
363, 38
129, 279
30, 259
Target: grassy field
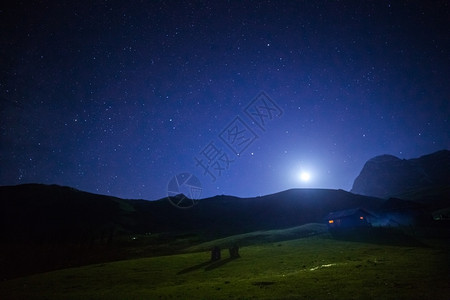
317, 267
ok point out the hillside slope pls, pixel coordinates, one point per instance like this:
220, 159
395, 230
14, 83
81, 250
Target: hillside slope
308, 268
226, 215
38, 213
42, 213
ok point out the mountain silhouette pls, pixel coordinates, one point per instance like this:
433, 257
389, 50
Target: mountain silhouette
225, 215
46, 227
425, 179
38, 213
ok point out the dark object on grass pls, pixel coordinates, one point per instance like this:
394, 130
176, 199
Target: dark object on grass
234, 251
215, 253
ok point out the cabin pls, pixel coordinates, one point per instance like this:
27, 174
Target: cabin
350, 218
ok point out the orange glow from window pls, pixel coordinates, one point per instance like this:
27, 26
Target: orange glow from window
361, 218
331, 221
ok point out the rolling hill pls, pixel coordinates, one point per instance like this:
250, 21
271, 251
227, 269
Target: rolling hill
41, 213
36, 213
48, 227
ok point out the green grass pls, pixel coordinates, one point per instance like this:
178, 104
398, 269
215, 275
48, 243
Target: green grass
263, 237
309, 268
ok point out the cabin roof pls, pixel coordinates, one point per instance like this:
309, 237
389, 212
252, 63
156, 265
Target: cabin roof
347, 212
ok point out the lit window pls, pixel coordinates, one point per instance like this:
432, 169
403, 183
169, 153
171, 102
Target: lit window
361, 218
331, 221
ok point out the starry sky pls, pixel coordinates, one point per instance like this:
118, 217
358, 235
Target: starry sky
117, 97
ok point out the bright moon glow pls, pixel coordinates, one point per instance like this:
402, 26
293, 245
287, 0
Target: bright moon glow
305, 176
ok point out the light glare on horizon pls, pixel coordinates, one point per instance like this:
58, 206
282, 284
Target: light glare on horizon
305, 176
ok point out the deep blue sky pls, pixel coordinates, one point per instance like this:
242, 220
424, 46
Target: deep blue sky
116, 97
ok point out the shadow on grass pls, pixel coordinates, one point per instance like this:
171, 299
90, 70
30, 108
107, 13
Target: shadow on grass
196, 267
381, 236
207, 265
218, 264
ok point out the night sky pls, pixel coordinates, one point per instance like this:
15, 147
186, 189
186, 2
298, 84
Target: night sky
117, 97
